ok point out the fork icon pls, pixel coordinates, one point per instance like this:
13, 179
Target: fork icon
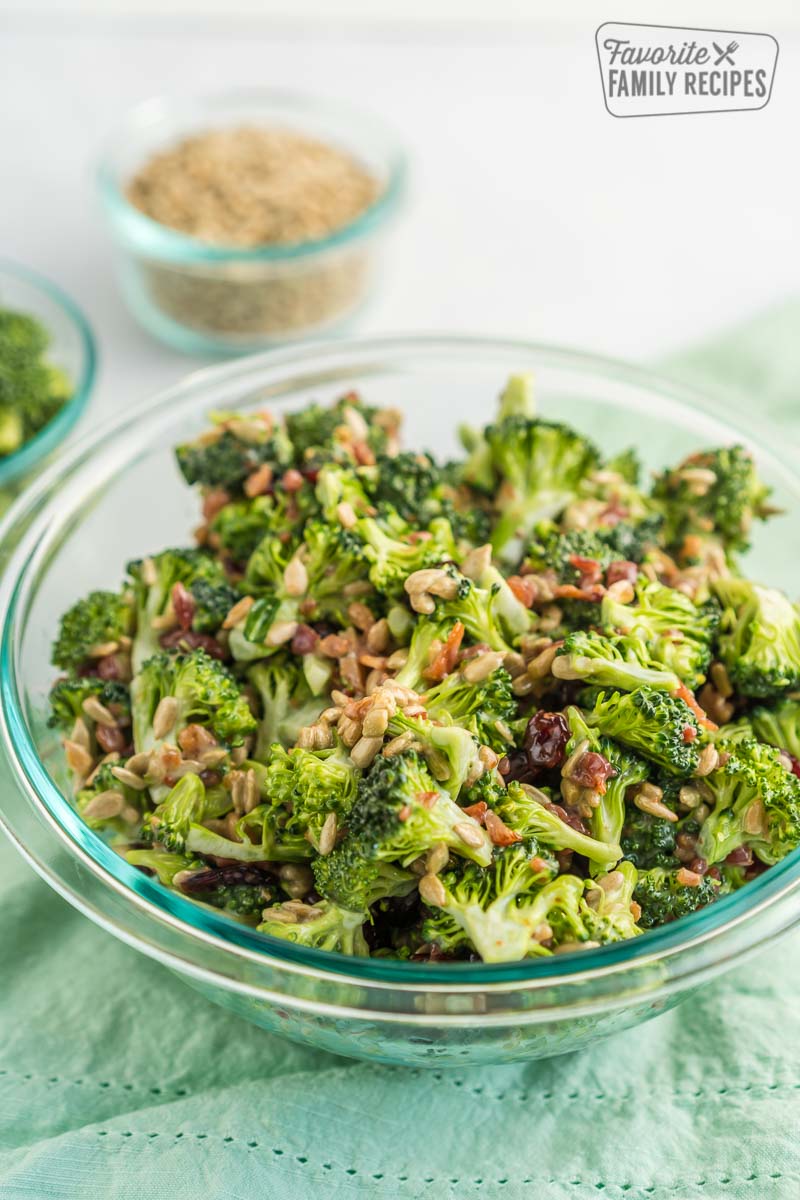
725, 55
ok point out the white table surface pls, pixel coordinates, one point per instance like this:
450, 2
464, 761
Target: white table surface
533, 212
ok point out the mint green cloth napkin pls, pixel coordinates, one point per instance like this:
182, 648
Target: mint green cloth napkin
117, 1082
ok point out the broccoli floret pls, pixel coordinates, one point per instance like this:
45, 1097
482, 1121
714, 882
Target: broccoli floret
212, 603
759, 640
675, 631
305, 786
662, 728
92, 624
67, 698
778, 726
648, 841
394, 551
618, 662
484, 708
400, 813
408, 483
325, 927
426, 636
184, 806
450, 751
239, 526
756, 804
154, 580
233, 451
528, 811
205, 692
716, 492
164, 864
538, 467
606, 905
287, 704
662, 897
335, 430
481, 612
608, 817
356, 882
342, 486
481, 907
333, 558
31, 390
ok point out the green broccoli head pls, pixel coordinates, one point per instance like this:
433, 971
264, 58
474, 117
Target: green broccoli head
715, 492
648, 841
756, 804
204, 692
400, 813
778, 725
395, 550
233, 451
239, 526
427, 636
155, 580
486, 613
676, 632
348, 878
529, 812
660, 727
451, 751
212, 602
306, 786
323, 926
662, 896
606, 905
538, 466
92, 625
484, 908
334, 432
287, 703
164, 864
68, 696
618, 662
184, 806
483, 708
759, 640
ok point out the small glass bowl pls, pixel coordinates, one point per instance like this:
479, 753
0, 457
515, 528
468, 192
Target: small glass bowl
210, 299
72, 348
118, 495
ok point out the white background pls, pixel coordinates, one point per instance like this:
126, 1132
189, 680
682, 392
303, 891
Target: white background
532, 212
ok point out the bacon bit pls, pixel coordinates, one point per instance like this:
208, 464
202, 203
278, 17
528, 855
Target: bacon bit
363, 455
292, 480
636, 910
621, 571
589, 569
524, 588
568, 591
184, 605
477, 811
195, 739
305, 640
689, 733
446, 659
538, 864
427, 799
684, 694
593, 771
688, 878
498, 831
259, 483
419, 535
404, 813
213, 501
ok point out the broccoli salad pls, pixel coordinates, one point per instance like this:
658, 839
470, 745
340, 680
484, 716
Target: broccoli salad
490, 709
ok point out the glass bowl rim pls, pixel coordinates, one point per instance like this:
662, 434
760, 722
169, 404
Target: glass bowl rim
151, 237
56, 429
231, 938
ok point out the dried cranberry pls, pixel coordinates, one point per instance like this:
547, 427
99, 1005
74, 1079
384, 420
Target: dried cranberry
305, 640
184, 605
515, 767
795, 763
593, 771
546, 740
109, 667
571, 819
621, 571
742, 856
187, 639
214, 877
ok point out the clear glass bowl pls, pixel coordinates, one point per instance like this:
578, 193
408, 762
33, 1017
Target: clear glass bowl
71, 347
207, 299
117, 495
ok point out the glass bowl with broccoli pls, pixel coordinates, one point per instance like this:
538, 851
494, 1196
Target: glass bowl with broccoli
47, 361
420, 743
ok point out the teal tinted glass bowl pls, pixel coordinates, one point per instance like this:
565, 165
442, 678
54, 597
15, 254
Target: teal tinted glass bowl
71, 348
118, 495
206, 298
